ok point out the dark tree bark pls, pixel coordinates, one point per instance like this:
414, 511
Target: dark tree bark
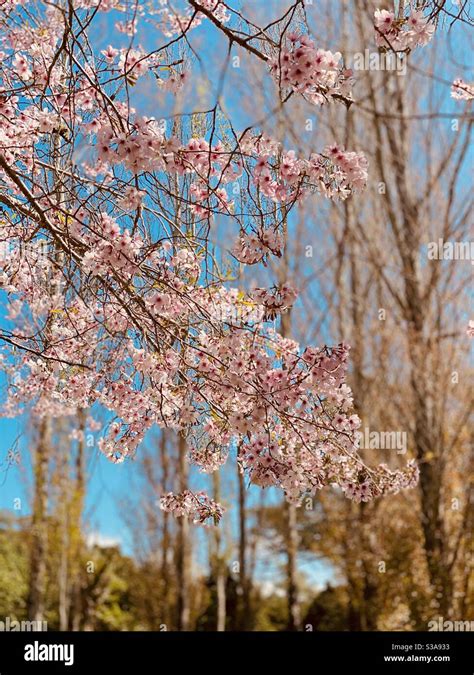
39, 540
183, 552
243, 587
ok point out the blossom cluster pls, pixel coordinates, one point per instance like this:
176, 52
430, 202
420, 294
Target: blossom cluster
195, 505
315, 73
254, 247
402, 34
275, 300
282, 176
112, 249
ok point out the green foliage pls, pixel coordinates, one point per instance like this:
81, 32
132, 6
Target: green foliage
328, 611
207, 620
272, 613
13, 569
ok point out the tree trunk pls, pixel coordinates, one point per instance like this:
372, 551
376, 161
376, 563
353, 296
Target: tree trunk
183, 545
77, 507
37, 582
63, 600
219, 564
294, 619
243, 589
165, 541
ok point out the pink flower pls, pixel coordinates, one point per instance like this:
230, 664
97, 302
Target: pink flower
22, 67
110, 54
384, 20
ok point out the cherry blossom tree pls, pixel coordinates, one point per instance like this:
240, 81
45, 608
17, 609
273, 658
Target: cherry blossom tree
116, 299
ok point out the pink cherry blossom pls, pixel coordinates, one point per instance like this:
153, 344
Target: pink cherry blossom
402, 34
